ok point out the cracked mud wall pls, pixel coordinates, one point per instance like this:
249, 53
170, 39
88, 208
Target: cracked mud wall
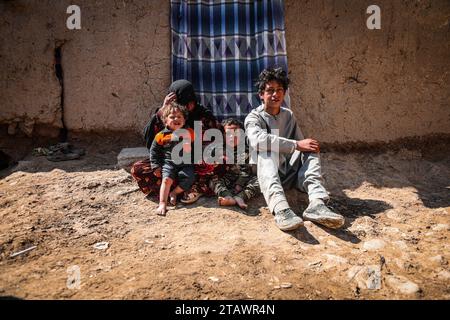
116, 68
29, 90
349, 83
118, 65
355, 84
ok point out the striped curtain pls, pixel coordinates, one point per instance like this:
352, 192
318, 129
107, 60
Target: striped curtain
221, 46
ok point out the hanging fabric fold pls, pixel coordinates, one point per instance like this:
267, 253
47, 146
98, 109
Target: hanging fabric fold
222, 46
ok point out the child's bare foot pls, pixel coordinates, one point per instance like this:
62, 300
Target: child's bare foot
173, 199
240, 202
226, 201
161, 210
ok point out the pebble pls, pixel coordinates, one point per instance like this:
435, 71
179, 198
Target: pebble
401, 244
374, 244
353, 271
213, 279
286, 285
289, 268
394, 215
315, 264
391, 230
101, 245
92, 185
402, 285
373, 281
444, 274
440, 227
366, 276
439, 260
363, 229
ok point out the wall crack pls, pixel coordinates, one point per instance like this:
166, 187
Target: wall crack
60, 75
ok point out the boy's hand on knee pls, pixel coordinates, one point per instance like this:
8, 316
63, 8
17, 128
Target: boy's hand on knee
157, 172
308, 145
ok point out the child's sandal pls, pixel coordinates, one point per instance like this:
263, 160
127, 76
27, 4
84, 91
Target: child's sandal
191, 197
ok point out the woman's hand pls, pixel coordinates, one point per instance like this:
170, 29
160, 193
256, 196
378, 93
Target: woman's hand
169, 99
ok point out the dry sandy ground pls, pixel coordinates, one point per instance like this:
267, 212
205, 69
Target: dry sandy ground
395, 243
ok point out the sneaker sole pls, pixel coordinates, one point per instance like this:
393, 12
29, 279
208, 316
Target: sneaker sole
329, 223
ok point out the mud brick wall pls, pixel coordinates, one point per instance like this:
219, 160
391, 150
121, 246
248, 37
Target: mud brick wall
355, 84
116, 69
348, 83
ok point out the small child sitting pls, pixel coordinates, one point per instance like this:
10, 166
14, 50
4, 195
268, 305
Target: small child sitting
174, 117
239, 183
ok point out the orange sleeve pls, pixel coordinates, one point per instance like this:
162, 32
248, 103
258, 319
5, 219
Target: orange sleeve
159, 138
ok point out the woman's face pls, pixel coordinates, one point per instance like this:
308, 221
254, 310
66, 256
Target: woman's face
190, 106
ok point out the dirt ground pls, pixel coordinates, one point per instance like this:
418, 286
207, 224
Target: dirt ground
395, 244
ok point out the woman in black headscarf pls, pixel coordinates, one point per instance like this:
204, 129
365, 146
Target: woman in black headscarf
181, 91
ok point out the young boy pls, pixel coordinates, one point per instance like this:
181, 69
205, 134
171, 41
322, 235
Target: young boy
295, 163
161, 158
239, 183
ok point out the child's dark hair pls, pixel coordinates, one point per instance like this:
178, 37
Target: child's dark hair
272, 74
232, 122
173, 106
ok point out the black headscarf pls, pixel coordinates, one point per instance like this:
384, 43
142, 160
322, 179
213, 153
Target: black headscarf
184, 91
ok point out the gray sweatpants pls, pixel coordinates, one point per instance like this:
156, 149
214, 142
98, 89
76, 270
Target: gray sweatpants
303, 172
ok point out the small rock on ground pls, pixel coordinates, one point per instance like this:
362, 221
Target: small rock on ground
374, 244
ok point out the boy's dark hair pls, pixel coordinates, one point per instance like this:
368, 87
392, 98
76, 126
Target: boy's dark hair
231, 122
173, 106
272, 74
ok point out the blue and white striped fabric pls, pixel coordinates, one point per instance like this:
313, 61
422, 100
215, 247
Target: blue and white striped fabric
221, 46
